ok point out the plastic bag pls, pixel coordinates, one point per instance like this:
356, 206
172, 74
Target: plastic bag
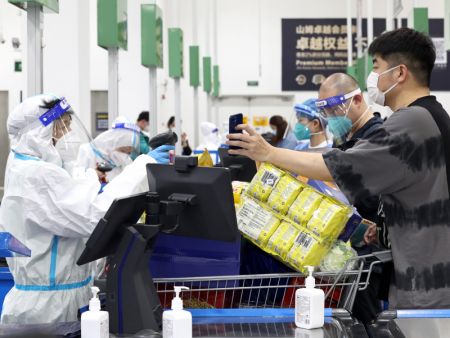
256, 223
264, 182
304, 206
338, 256
284, 194
306, 250
239, 189
328, 220
282, 240
205, 160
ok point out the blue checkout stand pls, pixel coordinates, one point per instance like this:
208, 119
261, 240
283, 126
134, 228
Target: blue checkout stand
251, 322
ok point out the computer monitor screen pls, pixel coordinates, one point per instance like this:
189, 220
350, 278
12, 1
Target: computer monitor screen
106, 237
213, 216
242, 168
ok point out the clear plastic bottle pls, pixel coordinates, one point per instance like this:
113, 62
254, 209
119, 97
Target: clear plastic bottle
95, 323
177, 323
309, 304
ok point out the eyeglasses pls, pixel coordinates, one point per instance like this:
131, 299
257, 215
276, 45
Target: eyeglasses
335, 105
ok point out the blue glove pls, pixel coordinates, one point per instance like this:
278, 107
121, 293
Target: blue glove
161, 154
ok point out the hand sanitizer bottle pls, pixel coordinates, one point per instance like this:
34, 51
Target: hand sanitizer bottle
177, 323
309, 304
94, 323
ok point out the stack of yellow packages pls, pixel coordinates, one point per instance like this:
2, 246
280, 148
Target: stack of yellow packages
289, 219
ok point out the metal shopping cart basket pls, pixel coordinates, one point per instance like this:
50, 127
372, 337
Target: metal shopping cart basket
272, 290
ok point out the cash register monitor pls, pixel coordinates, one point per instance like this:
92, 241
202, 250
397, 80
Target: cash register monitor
122, 213
213, 216
241, 168
198, 201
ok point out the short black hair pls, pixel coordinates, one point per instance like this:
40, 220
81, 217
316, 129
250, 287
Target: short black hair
49, 104
144, 115
410, 47
171, 121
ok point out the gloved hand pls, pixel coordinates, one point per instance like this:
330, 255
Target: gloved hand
161, 154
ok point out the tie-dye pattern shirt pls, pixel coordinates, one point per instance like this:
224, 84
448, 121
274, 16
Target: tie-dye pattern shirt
404, 162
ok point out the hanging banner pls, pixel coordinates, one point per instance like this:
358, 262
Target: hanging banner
313, 49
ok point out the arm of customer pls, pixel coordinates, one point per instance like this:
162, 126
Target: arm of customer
253, 145
381, 165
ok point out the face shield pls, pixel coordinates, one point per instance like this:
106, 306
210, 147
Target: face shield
68, 133
336, 105
335, 109
133, 135
65, 131
116, 145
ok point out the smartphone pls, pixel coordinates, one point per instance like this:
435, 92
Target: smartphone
234, 121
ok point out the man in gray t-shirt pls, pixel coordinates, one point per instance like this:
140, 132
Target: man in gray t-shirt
405, 162
406, 166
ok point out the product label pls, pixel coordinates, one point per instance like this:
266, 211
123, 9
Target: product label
104, 329
253, 219
303, 310
168, 328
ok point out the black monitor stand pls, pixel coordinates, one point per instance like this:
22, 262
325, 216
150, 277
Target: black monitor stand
184, 199
131, 298
132, 301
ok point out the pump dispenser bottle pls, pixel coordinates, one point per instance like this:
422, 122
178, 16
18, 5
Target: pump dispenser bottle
94, 323
309, 304
177, 323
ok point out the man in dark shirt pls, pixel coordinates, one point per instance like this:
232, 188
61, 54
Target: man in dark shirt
406, 162
363, 125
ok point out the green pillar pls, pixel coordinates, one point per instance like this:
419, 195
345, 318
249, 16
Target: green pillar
352, 71
420, 20
216, 81
151, 36
207, 74
175, 52
194, 66
112, 31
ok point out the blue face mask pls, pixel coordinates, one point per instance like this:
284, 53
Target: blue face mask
339, 126
301, 132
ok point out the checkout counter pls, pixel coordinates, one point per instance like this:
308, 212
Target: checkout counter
178, 205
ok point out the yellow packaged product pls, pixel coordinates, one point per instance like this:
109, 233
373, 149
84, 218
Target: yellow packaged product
238, 190
328, 220
205, 160
304, 206
255, 222
284, 194
264, 182
306, 250
282, 240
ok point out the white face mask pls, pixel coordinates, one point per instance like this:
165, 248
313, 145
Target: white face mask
120, 159
375, 94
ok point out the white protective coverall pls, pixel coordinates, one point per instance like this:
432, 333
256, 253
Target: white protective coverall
53, 214
211, 138
104, 147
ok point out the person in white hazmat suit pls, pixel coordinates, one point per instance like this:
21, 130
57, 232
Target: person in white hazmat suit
211, 138
52, 212
112, 147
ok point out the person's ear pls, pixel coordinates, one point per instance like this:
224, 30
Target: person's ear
316, 125
357, 100
401, 73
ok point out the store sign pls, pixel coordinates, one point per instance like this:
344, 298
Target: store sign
101, 121
313, 49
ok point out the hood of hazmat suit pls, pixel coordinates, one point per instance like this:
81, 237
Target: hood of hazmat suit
106, 147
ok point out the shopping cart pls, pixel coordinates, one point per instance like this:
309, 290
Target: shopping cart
272, 290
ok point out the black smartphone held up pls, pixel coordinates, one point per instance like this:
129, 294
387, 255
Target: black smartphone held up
234, 121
